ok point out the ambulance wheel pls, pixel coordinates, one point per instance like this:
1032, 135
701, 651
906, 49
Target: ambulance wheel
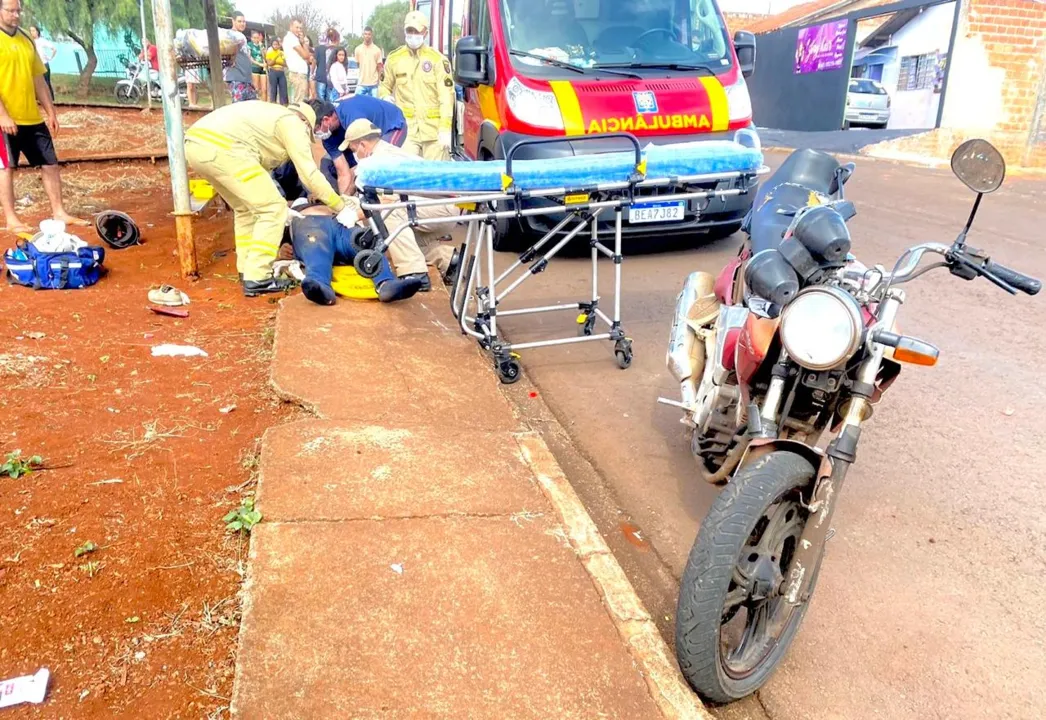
367, 264
623, 353
509, 371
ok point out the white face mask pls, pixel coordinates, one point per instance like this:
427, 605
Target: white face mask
415, 41
322, 135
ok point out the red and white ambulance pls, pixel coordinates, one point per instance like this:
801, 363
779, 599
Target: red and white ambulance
665, 71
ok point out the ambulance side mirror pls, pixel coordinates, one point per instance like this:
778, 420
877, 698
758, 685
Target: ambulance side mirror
470, 63
744, 45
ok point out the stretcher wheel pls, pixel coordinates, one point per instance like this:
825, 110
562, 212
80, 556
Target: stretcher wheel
508, 371
623, 353
365, 240
368, 264
586, 324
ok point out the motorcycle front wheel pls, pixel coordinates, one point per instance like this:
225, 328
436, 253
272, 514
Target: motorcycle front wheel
127, 94
733, 625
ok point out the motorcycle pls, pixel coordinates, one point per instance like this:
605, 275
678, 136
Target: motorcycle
793, 343
131, 89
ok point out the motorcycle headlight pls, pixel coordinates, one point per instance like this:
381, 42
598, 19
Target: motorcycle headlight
821, 329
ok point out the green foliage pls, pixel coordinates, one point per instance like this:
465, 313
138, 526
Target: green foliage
15, 467
314, 18
242, 518
87, 547
387, 22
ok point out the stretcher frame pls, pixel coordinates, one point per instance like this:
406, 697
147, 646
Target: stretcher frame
475, 286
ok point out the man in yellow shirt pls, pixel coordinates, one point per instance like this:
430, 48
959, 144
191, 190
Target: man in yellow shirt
419, 80
236, 148
23, 131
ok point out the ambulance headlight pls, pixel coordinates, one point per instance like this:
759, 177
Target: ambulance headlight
534, 107
738, 100
821, 329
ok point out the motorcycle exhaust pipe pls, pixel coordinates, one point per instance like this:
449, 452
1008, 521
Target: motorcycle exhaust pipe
686, 354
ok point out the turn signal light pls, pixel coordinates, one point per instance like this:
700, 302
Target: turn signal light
915, 352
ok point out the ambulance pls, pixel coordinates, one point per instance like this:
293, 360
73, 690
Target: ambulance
665, 71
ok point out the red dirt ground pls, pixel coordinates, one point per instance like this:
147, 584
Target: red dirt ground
150, 630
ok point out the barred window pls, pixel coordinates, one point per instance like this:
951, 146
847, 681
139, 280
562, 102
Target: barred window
918, 72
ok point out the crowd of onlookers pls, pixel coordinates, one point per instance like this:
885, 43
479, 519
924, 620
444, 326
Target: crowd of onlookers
293, 69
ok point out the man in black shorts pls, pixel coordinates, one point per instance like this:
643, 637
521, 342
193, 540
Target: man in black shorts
23, 131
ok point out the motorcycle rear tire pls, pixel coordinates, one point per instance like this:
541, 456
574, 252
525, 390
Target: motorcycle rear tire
710, 568
127, 94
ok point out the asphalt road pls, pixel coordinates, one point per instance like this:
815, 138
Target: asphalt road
930, 603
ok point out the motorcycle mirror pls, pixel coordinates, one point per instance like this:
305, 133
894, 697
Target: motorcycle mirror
979, 165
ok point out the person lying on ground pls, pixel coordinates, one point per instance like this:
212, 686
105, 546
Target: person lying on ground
23, 130
334, 119
364, 140
404, 253
317, 239
235, 148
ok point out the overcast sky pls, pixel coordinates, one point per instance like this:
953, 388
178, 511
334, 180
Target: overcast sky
353, 13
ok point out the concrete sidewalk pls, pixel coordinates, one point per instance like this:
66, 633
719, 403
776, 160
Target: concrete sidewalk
422, 554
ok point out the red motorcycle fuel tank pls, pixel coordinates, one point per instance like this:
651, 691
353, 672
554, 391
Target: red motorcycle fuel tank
752, 346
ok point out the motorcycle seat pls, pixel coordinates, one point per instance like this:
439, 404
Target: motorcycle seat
788, 189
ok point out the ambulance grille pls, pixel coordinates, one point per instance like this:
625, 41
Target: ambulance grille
616, 88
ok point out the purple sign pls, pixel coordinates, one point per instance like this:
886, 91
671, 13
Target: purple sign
821, 47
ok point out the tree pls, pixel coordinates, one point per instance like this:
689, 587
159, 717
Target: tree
79, 19
313, 18
387, 23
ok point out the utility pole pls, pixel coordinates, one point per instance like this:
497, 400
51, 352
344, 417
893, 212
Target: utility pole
210, 16
145, 55
163, 25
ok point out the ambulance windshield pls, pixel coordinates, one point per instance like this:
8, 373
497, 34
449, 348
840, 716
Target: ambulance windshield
585, 34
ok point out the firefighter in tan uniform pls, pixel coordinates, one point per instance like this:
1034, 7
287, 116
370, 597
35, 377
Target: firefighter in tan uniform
418, 79
236, 148
414, 247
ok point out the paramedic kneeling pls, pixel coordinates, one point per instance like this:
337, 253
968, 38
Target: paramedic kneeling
363, 139
235, 148
334, 119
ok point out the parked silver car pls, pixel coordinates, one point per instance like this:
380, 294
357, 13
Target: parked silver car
867, 104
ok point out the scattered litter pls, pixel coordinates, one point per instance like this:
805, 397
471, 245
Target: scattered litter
178, 351
25, 202
111, 481
25, 689
84, 694
113, 410
133, 619
533, 394
87, 547
139, 656
226, 410
35, 335
1008, 412
397, 568
169, 311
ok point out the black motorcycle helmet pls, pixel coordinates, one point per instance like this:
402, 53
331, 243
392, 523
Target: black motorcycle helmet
117, 229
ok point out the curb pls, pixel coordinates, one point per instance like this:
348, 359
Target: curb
669, 690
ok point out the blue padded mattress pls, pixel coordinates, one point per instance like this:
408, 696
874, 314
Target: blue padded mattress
694, 158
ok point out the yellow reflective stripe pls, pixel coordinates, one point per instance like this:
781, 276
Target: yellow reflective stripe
208, 136
573, 122
432, 113
408, 112
249, 174
717, 102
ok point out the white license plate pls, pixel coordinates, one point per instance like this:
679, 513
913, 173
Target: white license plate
657, 212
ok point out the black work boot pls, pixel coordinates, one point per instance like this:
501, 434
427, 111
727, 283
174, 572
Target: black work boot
399, 289
423, 278
254, 288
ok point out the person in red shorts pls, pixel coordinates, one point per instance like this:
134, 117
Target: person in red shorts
23, 131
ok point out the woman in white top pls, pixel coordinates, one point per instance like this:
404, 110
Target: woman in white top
339, 75
46, 50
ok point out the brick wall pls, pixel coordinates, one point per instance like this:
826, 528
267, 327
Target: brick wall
996, 86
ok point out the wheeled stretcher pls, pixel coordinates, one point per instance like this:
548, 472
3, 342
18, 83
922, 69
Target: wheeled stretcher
586, 191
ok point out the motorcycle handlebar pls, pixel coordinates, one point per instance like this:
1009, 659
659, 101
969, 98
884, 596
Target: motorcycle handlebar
1022, 282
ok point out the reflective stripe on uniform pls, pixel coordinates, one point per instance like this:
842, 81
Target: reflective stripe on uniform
717, 102
249, 174
211, 137
432, 113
